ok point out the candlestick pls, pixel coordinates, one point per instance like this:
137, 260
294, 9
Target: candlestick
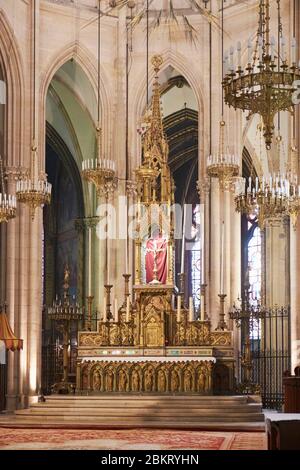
181, 284
202, 306
202, 244
104, 310
88, 324
90, 263
108, 262
222, 261
126, 280
183, 240
116, 311
222, 323
127, 309
191, 309
126, 252
178, 308
108, 288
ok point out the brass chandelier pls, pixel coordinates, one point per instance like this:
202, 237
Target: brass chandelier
34, 190
267, 197
223, 165
99, 170
267, 84
8, 202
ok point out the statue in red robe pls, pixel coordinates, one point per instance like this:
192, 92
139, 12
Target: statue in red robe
156, 258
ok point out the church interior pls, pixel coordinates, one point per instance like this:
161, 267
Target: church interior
149, 232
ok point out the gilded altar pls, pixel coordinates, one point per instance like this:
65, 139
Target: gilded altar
152, 376
154, 343
153, 352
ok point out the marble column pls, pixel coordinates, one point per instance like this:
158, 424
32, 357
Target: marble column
227, 246
215, 252
10, 236
295, 244
235, 272
203, 187
295, 296
131, 200
277, 264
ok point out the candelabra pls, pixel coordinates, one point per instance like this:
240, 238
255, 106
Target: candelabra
8, 203
64, 312
35, 191
126, 309
245, 317
271, 198
266, 85
222, 326
224, 165
98, 171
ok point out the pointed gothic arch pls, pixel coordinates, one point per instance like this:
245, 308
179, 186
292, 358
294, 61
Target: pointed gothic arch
13, 69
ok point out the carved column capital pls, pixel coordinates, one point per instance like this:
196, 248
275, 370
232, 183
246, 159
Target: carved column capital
131, 188
203, 187
13, 174
85, 223
108, 189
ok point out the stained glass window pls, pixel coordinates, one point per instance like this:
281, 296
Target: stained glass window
196, 258
254, 273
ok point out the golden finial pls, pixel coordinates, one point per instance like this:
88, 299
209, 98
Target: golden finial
157, 62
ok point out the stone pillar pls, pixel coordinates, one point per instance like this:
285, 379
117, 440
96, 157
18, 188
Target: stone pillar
203, 187
277, 264
295, 244
35, 306
235, 272
226, 196
295, 296
11, 273
215, 253
131, 200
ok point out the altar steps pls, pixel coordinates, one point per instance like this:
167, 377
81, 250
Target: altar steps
118, 411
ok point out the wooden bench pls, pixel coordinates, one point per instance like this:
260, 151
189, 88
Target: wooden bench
291, 387
283, 433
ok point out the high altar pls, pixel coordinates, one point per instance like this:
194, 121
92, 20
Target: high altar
153, 346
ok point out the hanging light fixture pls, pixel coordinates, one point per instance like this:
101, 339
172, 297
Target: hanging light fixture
223, 165
34, 190
274, 197
266, 197
266, 85
99, 170
8, 202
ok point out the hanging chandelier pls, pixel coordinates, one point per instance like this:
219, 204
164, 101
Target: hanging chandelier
270, 198
99, 170
223, 165
266, 85
8, 203
34, 190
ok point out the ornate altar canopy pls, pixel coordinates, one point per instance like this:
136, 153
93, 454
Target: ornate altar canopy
151, 346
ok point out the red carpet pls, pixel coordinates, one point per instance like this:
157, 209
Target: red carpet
131, 439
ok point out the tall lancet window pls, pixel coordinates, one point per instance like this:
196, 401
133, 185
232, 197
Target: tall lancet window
195, 257
254, 271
